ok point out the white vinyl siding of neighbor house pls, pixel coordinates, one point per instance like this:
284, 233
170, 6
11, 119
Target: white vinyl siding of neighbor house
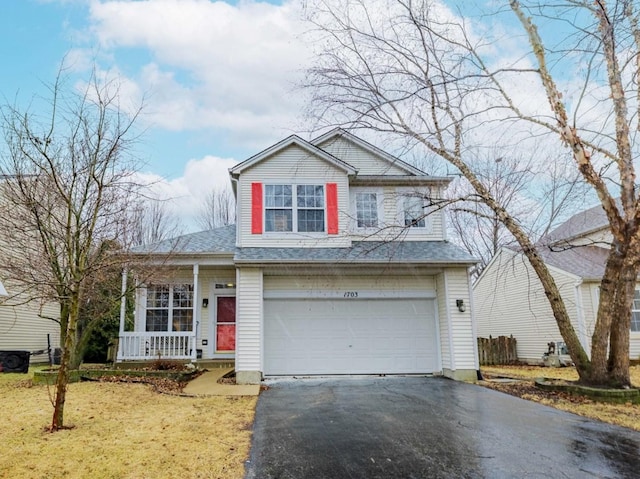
601, 238
523, 310
22, 328
364, 161
293, 165
460, 328
249, 324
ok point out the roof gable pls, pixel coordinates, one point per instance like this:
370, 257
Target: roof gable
286, 143
337, 142
580, 224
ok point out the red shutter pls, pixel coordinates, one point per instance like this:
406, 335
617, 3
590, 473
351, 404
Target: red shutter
256, 208
332, 208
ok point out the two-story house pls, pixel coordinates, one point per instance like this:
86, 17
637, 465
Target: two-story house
509, 299
338, 264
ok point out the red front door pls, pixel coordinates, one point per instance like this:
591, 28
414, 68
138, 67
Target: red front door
225, 324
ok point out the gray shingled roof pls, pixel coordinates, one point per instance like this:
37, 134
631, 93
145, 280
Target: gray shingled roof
217, 241
416, 252
581, 223
222, 241
588, 262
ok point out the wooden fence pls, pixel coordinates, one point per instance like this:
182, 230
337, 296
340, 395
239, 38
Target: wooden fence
500, 350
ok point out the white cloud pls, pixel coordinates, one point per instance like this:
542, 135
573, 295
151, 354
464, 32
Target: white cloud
185, 195
209, 64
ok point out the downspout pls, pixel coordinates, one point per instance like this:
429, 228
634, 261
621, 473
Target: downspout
195, 322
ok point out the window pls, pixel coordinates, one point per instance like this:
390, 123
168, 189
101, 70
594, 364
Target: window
169, 307
635, 312
300, 208
366, 210
413, 210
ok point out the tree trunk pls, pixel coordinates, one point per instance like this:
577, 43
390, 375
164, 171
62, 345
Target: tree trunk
62, 381
611, 332
618, 363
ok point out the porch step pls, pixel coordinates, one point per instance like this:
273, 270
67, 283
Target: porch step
215, 363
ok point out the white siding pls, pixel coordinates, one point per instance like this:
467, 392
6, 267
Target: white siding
392, 220
382, 282
366, 162
249, 319
23, 329
459, 342
509, 300
446, 345
290, 166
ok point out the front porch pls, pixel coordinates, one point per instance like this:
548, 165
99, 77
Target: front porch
143, 346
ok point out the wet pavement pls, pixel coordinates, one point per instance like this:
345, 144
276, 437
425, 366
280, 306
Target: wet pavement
418, 427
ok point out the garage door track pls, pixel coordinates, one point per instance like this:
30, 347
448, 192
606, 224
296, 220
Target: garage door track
418, 427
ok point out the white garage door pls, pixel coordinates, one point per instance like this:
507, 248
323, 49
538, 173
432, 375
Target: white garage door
363, 336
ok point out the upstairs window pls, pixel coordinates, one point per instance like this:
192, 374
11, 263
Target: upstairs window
278, 208
289, 208
413, 211
366, 210
169, 307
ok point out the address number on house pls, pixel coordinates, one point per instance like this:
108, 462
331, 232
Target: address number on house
350, 294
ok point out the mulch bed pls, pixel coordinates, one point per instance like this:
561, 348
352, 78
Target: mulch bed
526, 389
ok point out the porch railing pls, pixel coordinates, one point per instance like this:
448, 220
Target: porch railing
156, 345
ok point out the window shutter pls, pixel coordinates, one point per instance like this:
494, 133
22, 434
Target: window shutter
332, 208
256, 208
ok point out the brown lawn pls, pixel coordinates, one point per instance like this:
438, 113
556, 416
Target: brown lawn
122, 431
627, 415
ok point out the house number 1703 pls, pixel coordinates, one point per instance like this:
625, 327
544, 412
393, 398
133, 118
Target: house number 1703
350, 294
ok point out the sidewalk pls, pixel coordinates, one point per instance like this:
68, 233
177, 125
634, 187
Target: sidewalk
207, 385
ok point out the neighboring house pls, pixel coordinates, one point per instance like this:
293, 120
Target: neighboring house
509, 299
337, 265
24, 322
24, 327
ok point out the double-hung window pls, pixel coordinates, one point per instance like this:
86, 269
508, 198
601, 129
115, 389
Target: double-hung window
294, 208
169, 307
367, 205
412, 209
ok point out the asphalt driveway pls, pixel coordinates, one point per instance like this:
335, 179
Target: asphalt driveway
418, 427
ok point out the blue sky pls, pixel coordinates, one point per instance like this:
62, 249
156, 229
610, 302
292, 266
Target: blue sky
214, 75
218, 78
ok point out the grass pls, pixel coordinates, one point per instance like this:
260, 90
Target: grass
122, 430
626, 415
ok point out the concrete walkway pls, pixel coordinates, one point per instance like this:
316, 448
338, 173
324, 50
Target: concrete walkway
207, 385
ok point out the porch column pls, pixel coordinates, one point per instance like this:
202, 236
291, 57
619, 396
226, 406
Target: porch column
123, 311
196, 271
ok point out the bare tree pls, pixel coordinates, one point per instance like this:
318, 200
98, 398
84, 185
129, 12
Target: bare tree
219, 209
415, 69
69, 185
151, 222
514, 181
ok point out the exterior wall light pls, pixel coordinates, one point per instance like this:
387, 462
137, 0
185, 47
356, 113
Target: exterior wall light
205, 302
460, 305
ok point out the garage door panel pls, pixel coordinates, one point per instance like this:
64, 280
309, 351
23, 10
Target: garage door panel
322, 336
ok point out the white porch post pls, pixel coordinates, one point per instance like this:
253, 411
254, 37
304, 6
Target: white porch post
196, 271
123, 312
